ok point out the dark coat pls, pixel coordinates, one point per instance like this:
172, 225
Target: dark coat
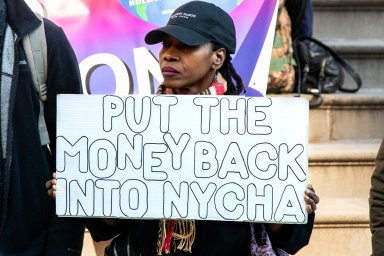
213, 238
28, 224
376, 204
301, 14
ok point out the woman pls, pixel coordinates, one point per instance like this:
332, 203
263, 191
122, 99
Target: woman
195, 59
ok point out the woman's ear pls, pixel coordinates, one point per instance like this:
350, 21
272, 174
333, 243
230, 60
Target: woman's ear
218, 58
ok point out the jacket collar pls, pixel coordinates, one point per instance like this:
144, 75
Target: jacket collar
20, 17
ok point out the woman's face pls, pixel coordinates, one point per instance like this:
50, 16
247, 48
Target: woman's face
187, 69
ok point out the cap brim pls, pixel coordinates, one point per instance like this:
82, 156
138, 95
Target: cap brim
183, 34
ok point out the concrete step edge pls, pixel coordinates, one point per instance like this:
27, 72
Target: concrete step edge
348, 152
359, 48
342, 211
364, 98
347, 3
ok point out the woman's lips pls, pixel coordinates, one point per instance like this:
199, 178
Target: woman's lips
168, 71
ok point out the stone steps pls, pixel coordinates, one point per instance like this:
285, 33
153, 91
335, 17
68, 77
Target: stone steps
348, 116
341, 228
345, 133
318, 4
365, 56
340, 172
354, 29
348, 19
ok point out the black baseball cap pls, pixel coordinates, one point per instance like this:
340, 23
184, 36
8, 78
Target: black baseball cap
196, 23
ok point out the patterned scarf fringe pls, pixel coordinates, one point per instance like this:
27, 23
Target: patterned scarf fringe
171, 231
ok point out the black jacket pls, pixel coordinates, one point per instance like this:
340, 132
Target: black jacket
213, 238
28, 224
376, 204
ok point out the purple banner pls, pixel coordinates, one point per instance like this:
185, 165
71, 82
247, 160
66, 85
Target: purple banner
108, 39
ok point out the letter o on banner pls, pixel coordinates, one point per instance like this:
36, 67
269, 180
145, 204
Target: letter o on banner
134, 198
102, 159
89, 64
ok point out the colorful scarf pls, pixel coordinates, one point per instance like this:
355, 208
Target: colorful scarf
216, 88
264, 248
182, 231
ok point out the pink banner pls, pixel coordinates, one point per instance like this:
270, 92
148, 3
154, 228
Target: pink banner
108, 39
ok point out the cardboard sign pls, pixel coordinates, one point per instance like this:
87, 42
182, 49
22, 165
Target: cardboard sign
191, 157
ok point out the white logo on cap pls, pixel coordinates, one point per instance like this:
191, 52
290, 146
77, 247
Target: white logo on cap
183, 15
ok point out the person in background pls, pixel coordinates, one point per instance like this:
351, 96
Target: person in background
28, 224
195, 58
376, 204
301, 15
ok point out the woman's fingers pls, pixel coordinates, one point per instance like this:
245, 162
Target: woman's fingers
311, 199
311, 205
50, 185
52, 191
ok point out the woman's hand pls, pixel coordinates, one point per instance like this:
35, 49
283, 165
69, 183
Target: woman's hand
51, 186
311, 199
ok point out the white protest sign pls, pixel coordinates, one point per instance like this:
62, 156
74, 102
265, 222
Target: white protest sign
193, 157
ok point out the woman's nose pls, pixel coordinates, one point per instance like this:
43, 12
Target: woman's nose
170, 54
